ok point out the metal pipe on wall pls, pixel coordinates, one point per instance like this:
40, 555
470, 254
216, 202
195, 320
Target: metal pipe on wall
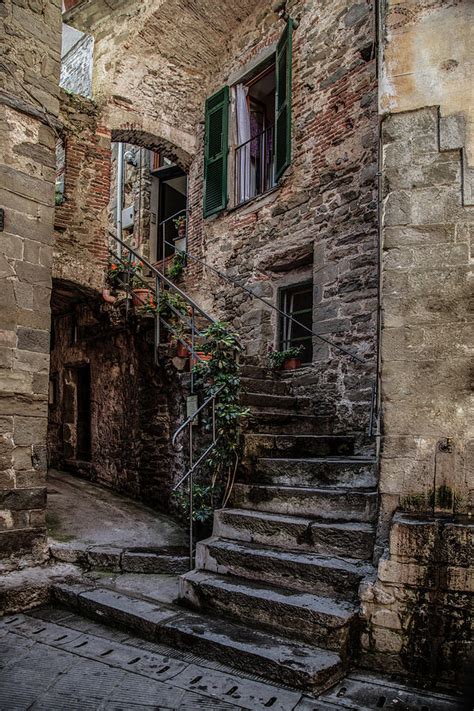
119, 196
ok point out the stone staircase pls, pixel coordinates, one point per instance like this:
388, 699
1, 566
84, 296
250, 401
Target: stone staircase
289, 555
275, 589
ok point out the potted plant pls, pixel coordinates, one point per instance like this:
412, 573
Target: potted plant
116, 274
150, 306
141, 293
288, 359
180, 224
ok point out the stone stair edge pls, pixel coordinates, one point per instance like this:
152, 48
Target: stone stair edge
124, 560
178, 628
346, 564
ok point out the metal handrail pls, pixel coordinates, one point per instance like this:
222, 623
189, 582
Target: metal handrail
193, 466
235, 283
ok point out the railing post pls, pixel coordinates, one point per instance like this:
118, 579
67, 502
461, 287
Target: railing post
191, 497
157, 318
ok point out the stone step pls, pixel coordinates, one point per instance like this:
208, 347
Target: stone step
265, 401
303, 616
170, 561
295, 533
279, 421
274, 445
265, 385
324, 503
256, 652
306, 572
351, 472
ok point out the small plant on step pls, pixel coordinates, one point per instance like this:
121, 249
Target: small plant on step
277, 359
222, 373
176, 269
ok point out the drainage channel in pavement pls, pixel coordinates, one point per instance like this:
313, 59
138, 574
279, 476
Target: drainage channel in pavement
52, 660
55, 660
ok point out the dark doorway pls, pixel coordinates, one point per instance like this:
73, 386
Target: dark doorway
83, 420
172, 202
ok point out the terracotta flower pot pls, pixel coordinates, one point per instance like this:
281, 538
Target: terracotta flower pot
202, 357
292, 364
182, 351
140, 297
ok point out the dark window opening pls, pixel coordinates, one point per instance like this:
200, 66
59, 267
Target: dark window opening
255, 115
297, 302
83, 413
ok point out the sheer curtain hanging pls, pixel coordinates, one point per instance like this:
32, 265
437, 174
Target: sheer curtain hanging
243, 136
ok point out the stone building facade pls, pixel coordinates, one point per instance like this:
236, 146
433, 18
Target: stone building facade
373, 216
29, 109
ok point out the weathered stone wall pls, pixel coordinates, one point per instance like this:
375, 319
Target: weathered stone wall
135, 405
76, 67
29, 128
80, 221
324, 212
427, 331
419, 611
322, 216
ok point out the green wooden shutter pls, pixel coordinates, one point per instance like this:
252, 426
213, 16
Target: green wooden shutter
216, 150
283, 102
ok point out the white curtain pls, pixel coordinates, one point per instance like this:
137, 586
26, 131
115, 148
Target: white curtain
243, 136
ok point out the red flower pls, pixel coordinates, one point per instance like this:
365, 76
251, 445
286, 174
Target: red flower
113, 267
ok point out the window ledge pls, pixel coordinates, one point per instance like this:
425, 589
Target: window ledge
256, 202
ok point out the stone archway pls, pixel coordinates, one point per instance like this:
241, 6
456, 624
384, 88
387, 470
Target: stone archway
127, 127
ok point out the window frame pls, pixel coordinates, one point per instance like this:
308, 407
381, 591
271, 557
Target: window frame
283, 322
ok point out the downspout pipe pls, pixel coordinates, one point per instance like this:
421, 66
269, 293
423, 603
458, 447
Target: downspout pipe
119, 197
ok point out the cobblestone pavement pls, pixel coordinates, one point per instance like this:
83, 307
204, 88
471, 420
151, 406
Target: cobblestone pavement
54, 660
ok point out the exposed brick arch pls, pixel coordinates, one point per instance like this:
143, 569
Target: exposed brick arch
127, 127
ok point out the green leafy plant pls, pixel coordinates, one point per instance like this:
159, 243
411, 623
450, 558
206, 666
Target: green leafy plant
150, 306
222, 373
204, 496
170, 300
277, 358
176, 268
118, 271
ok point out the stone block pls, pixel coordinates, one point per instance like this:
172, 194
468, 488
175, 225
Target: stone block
386, 618
16, 382
12, 245
29, 430
386, 640
23, 499
23, 294
31, 360
31, 339
22, 458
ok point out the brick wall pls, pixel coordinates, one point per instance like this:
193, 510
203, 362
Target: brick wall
32, 43
80, 246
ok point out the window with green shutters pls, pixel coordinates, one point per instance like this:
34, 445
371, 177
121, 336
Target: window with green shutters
262, 158
216, 150
283, 101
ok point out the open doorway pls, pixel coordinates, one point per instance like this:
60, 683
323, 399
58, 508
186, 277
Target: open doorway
149, 201
171, 191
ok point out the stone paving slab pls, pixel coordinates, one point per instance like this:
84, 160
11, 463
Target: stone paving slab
98, 529
56, 667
